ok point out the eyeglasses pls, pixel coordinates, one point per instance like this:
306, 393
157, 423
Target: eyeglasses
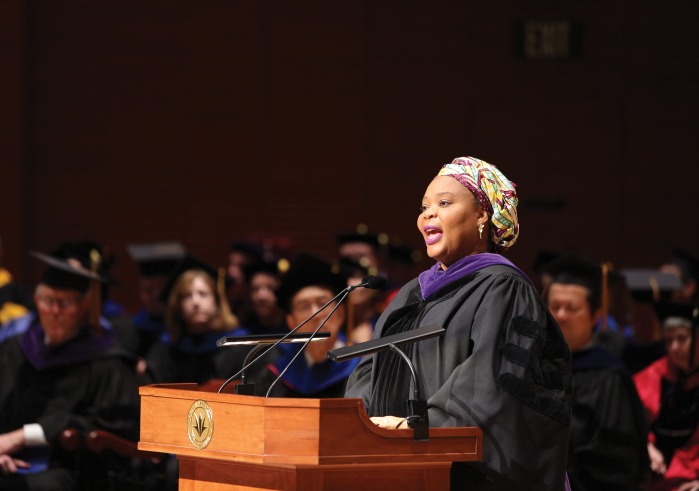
306, 306
62, 303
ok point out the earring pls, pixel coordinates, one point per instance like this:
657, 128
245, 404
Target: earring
480, 230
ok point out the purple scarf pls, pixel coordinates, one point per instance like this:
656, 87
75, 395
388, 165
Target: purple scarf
436, 278
85, 346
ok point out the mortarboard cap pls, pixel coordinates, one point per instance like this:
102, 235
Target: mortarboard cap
156, 258
87, 272
190, 263
543, 258
573, 268
361, 234
67, 273
89, 254
308, 270
687, 264
248, 247
274, 268
348, 268
351, 237
650, 285
403, 253
673, 314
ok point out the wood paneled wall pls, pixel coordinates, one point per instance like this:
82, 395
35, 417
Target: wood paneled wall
11, 132
205, 121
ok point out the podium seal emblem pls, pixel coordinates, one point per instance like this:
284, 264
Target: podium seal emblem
200, 424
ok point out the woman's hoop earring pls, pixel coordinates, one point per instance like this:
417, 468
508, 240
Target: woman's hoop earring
480, 230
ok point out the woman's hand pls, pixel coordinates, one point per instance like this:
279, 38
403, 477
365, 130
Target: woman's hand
390, 422
8, 465
657, 462
689, 486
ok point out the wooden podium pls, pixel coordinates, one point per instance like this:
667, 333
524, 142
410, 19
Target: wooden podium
236, 442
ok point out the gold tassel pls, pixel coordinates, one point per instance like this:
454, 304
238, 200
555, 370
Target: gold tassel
605, 294
95, 293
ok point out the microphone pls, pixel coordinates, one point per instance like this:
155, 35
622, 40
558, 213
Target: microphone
372, 282
310, 338
417, 418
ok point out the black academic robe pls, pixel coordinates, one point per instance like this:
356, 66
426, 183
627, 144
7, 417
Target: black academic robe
101, 392
502, 366
608, 438
198, 362
98, 392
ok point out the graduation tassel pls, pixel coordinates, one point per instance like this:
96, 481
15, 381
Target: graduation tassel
95, 292
605, 294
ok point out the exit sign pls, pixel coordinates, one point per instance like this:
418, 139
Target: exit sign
548, 39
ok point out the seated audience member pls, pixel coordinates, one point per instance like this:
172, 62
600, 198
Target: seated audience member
607, 443
64, 371
14, 300
156, 262
363, 248
84, 254
647, 289
92, 254
263, 279
364, 306
686, 268
309, 284
612, 330
402, 262
113, 316
541, 278
242, 254
669, 390
196, 316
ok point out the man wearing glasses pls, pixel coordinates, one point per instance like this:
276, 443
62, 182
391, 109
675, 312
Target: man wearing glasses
63, 371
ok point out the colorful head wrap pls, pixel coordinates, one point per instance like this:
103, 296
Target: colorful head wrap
494, 192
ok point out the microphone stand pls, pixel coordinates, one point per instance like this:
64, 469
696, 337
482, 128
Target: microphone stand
366, 281
417, 406
417, 418
243, 387
310, 338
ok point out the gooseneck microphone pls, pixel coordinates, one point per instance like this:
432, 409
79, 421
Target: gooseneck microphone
418, 418
370, 281
310, 338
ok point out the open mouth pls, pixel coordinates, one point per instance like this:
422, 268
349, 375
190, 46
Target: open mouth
432, 234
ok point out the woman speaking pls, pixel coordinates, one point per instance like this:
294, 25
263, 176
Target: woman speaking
502, 364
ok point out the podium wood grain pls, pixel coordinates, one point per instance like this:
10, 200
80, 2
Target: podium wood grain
296, 444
